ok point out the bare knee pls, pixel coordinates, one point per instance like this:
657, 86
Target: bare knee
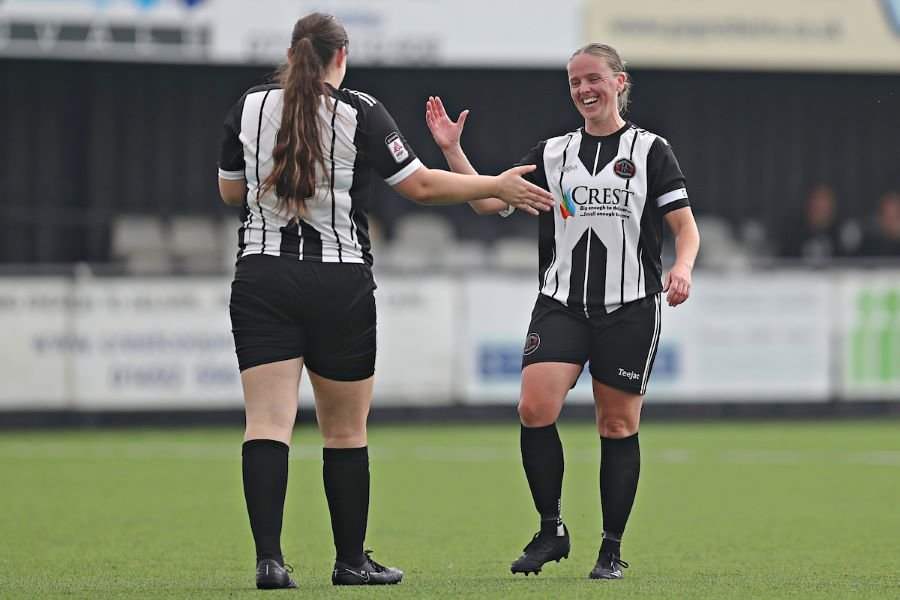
616, 427
342, 429
272, 422
618, 412
344, 441
536, 414
345, 436
268, 430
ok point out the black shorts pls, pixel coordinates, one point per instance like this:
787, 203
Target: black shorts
284, 308
620, 345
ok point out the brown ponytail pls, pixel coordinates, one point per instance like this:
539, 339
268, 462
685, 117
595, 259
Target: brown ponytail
298, 149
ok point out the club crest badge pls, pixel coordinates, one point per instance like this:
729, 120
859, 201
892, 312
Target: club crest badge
624, 168
531, 343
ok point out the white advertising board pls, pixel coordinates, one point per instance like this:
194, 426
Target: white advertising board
386, 32
409, 32
166, 343
747, 337
155, 343
870, 336
37, 324
743, 338
160, 343
417, 340
155, 30
863, 35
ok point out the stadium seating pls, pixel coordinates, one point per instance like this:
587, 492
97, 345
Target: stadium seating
139, 241
514, 253
195, 245
719, 249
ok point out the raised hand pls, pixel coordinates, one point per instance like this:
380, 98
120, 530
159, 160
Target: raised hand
524, 195
446, 133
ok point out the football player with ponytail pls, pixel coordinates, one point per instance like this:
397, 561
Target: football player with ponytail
600, 282
297, 157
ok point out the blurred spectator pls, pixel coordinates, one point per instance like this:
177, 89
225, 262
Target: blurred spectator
883, 237
820, 237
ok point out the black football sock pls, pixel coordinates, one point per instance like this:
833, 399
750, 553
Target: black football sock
345, 472
542, 457
620, 467
265, 470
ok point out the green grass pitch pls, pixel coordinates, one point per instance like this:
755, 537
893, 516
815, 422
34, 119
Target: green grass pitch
724, 510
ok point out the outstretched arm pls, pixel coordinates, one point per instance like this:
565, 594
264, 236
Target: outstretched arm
447, 134
687, 244
435, 187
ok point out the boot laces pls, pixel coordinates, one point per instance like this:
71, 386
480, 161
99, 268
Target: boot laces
611, 560
375, 566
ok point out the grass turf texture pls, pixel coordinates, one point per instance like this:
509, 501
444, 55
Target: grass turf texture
795, 510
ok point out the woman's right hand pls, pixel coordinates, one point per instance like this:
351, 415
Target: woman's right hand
522, 194
446, 133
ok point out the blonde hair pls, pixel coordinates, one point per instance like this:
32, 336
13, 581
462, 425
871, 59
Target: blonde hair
615, 62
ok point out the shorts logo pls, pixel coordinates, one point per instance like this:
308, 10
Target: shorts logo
531, 343
395, 145
629, 374
624, 168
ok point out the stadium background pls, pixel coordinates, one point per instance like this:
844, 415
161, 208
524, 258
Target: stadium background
116, 258
117, 251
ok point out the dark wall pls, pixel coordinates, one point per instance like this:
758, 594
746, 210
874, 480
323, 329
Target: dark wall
85, 141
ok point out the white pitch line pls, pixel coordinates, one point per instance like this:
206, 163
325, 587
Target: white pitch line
23, 450
762, 457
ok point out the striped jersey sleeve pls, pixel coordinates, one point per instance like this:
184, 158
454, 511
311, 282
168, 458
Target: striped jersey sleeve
535, 157
390, 154
538, 177
231, 155
666, 182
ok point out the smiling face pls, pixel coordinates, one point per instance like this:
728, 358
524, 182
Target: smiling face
594, 88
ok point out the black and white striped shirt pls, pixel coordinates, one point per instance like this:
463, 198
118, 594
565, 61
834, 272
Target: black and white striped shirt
358, 135
601, 245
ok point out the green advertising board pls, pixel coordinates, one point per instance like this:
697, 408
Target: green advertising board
871, 341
